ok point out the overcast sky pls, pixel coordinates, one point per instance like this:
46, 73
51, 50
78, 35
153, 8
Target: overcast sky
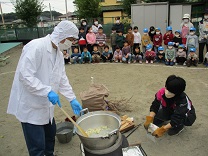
57, 5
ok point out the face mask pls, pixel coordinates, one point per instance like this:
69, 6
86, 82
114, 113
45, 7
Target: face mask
96, 22
191, 33
84, 23
90, 30
206, 17
145, 33
158, 33
168, 94
67, 44
113, 31
170, 47
180, 50
177, 35
186, 20
117, 21
152, 32
149, 50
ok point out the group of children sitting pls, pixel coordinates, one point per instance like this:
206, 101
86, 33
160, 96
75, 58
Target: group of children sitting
93, 47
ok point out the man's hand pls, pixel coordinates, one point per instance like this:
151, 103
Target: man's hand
76, 107
54, 98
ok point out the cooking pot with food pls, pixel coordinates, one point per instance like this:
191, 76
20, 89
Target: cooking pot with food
102, 128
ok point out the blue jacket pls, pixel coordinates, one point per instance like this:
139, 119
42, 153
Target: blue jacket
75, 54
87, 54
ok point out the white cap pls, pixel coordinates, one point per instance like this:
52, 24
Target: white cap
64, 30
186, 16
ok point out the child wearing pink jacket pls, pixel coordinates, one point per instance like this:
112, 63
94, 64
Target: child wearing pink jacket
91, 39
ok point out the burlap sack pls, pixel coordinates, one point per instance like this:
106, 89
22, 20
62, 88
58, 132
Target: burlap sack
93, 99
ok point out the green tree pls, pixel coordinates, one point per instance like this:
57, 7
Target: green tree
28, 11
88, 8
127, 6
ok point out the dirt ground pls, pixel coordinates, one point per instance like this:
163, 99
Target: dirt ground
123, 80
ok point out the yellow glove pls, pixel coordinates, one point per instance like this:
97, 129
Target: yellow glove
159, 132
149, 120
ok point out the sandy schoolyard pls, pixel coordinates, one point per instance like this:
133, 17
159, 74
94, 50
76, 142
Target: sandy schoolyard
123, 80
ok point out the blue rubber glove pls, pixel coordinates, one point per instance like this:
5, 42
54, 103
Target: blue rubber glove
54, 98
76, 107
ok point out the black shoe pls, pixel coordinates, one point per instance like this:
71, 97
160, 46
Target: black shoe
200, 62
176, 130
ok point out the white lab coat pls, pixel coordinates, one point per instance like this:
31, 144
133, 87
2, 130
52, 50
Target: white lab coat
36, 75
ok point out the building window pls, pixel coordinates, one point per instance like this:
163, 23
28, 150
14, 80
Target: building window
102, 0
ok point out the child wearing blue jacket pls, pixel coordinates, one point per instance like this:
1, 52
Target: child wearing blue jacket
86, 56
76, 56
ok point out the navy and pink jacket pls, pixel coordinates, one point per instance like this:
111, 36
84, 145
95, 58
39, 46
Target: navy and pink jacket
180, 107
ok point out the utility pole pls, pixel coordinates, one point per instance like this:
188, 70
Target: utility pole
2, 16
66, 10
50, 11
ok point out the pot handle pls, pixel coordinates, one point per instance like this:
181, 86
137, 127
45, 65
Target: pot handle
84, 111
112, 132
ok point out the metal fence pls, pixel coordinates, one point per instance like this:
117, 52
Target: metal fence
24, 33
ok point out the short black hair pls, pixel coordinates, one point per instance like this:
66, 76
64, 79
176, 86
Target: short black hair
85, 47
126, 42
81, 28
119, 31
137, 47
135, 27
76, 48
129, 28
100, 28
118, 18
113, 28
106, 47
95, 45
117, 47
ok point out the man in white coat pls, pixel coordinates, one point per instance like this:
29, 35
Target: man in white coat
39, 76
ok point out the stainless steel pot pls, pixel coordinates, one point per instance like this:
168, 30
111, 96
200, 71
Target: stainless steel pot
97, 119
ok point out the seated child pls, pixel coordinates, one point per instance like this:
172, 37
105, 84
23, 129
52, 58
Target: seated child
137, 55
172, 105
86, 56
161, 55
66, 57
76, 56
149, 54
126, 53
170, 54
181, 55
192, 58
95, 55
117, 55
107, 55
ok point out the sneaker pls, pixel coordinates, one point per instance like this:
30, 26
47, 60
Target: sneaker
140, 62
147, 62
135, 61
175, 131
116, 61
176, 64
151, 62
129, 62
184, 63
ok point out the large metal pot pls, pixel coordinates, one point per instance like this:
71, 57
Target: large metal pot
96, 119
